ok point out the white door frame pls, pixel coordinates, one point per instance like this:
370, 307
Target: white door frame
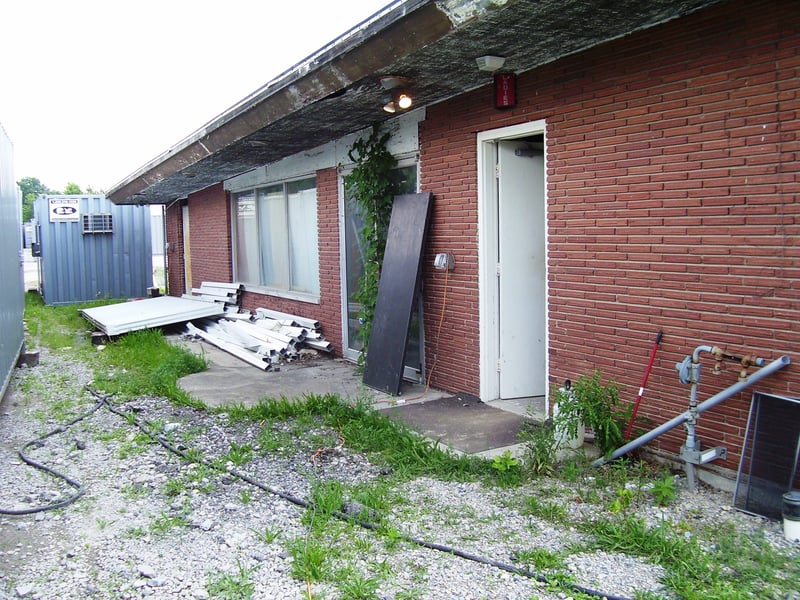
488, 223
187, 248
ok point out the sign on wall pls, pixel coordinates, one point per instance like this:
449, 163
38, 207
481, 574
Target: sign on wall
63, 209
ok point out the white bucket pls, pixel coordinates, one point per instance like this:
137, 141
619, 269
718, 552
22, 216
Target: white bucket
791, 516
563, 439
791, 530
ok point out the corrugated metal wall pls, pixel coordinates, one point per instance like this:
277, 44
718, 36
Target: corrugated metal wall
12, 294
78, 266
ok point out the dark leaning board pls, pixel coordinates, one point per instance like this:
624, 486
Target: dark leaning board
397, 290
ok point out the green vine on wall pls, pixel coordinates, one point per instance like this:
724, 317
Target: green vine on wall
370, 185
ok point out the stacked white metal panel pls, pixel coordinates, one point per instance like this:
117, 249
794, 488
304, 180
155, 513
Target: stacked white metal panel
116, 319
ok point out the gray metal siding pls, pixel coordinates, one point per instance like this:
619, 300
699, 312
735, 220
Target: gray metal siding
79, 267
12, 294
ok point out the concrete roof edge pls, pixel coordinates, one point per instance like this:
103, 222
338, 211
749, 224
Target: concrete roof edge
181, 154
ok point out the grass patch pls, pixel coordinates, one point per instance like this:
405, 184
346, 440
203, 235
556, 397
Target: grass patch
540, 559
310, 559
554, 512
57, 327
139, 363
144, 363
357, 586
385, 442
729, 565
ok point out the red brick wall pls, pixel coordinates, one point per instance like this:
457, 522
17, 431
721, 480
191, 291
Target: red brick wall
328, 311
672, 204
210, 236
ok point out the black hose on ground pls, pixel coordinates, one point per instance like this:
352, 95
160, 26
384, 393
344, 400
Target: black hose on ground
103, 401
39, 442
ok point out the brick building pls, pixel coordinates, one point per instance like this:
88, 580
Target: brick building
645, 178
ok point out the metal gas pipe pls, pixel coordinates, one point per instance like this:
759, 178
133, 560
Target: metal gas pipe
689, 372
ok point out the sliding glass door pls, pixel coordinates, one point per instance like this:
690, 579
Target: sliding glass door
353, 261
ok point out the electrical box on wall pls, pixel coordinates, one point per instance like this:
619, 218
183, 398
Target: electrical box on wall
444, 262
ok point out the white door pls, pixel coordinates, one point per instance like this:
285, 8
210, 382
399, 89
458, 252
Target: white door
521, 270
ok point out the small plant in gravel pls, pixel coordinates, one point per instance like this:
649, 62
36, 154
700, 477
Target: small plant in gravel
164, 523
310, 561
391, 537
136, 444
540, 559
508, 469
174, 487
136, 532
237, 454
357, 586
274, 440
268, 534
623, 500
194, 455
540, 448
134, 491
202, 480
553, 512
663, 490
327, 498
232, 586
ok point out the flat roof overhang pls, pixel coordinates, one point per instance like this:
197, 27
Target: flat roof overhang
337, 90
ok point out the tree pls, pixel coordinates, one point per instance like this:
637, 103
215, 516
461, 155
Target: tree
31, 189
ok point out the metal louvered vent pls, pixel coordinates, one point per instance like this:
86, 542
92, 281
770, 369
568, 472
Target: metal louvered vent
98, 223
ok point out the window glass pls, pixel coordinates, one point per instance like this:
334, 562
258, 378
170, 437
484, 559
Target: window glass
246, 242
303, 238
274, 237
276, 241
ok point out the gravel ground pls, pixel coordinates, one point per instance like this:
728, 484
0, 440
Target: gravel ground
153, 525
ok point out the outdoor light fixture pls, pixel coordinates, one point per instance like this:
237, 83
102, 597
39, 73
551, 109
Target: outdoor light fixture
395, 99
490, 63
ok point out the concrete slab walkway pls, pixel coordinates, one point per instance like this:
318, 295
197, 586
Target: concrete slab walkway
230, 381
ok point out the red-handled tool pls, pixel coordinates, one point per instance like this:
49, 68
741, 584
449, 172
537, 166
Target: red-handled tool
644, 384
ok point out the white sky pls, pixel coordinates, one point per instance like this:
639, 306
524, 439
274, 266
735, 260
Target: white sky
91, 90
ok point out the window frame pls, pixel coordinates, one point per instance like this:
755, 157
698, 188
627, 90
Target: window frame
349, 352
260, 287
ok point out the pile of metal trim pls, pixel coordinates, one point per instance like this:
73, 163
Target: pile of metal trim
263, 340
